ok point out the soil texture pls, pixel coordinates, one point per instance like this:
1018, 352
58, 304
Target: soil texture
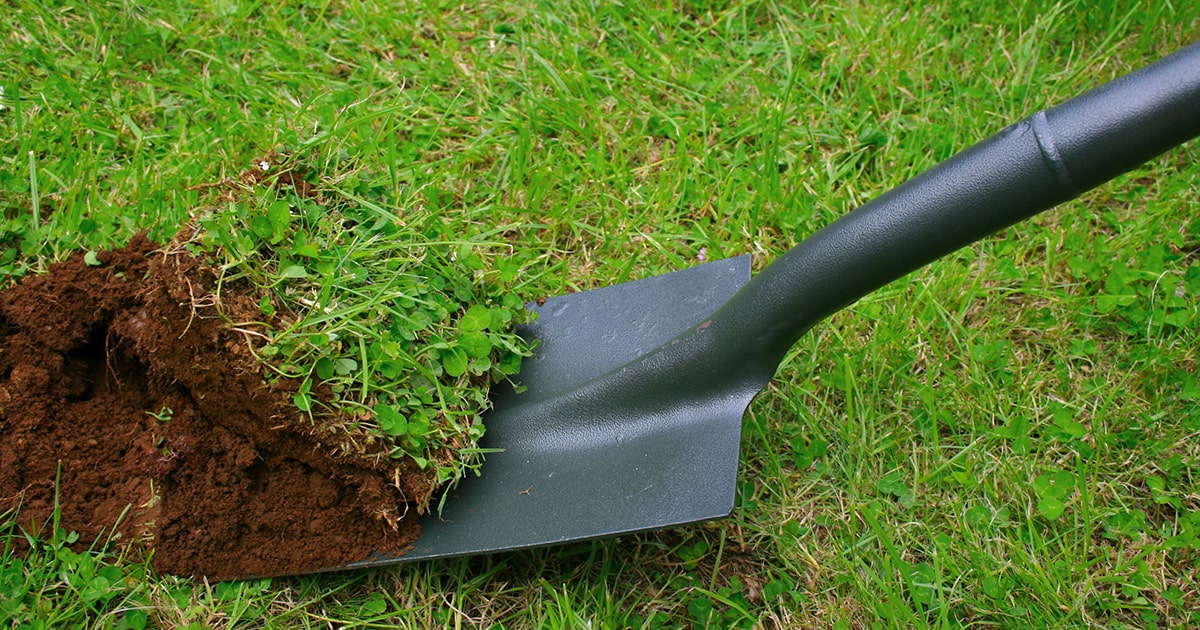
129, 395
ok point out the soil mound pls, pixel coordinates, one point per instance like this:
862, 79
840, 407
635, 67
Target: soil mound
122, 390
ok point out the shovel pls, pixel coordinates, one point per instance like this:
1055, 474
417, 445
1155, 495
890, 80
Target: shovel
629, 414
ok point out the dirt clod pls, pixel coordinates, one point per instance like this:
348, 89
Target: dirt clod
122, 387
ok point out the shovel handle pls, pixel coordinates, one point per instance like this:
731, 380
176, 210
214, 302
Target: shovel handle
1031, 166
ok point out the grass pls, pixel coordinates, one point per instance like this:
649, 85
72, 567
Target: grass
1005, 438
364, 286
393, 326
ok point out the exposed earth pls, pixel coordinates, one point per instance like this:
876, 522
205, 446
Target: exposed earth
128, 395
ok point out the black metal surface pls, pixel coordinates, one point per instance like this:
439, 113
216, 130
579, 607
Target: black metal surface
564, 478
633, 414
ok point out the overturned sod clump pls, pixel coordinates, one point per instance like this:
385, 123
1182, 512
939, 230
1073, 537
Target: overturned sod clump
134, 408
391, 323
255, 397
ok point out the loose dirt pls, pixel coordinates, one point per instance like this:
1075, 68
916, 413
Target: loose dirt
128, 397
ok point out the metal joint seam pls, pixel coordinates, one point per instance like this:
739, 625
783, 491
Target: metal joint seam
1050, 155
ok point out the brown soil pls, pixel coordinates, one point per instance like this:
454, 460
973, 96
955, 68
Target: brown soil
234, 484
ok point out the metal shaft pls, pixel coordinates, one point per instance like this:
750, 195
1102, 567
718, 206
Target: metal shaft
1031, 166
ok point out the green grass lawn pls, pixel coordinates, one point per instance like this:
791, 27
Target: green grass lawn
1006, 438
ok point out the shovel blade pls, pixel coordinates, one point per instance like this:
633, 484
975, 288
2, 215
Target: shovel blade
577, 478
